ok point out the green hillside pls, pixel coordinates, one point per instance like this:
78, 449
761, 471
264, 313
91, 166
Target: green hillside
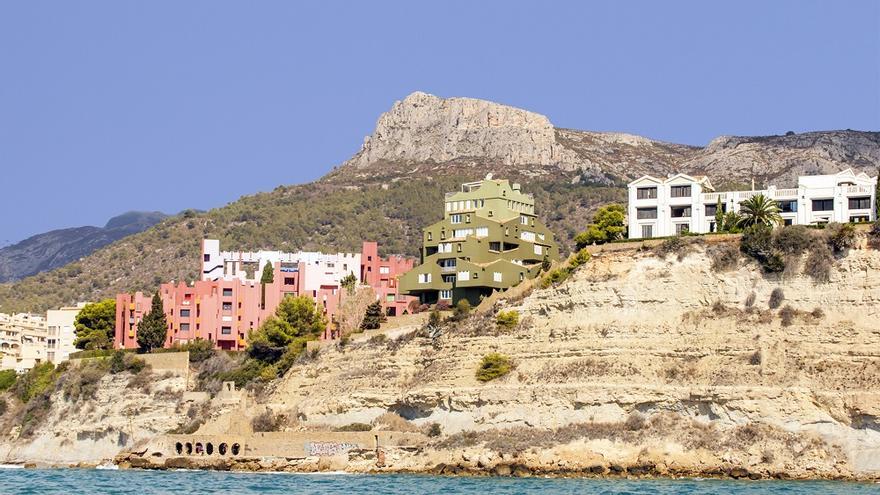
329, 215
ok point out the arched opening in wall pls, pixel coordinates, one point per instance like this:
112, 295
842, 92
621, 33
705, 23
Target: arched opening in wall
199, 449
189, 448
209, 448
236, 448
178, 447
222, 449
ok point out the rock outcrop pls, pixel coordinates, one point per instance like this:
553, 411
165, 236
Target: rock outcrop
425, 130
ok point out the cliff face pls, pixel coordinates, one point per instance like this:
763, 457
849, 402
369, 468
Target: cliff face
631, 333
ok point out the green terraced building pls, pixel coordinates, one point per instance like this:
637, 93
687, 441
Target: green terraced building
489, 239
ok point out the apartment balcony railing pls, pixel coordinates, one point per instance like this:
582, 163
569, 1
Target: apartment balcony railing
859, 190
447, 269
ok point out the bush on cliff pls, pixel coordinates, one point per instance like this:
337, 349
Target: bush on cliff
3, 407
507, 319
559, 275
37, 380
493, 366
7, 379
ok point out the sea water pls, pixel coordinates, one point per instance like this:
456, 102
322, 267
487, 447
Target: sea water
76, 481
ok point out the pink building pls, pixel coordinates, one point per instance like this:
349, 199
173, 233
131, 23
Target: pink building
225, 308
381, 274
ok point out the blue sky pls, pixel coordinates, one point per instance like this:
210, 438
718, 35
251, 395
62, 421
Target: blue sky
108, 106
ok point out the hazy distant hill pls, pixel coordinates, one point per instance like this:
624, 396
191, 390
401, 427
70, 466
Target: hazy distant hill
59, 247
421, 148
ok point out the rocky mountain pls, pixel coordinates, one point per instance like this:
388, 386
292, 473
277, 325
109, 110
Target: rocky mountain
422, 147
424, 133
57, 248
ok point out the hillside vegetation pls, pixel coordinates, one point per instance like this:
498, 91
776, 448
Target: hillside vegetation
317, 216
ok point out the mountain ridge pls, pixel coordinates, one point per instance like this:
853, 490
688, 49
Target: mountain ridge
58, 247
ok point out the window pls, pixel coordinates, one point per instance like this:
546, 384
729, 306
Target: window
681, 191
227, 292
389, 297
496, 276
494, 246
681, 212
860, 203
226, 330
787, 206
463, 232
646, 193
184, 327
647, 231
384, 270
464, 276
467, 219
646, 213
444, 247
424, 278
430, 237
184, 313
788, 221
455, 218
527, 236
823, 205
682, 228
859, 219
207, 257
712, 209
458, 246
539, 249
289, 281
227, 306
523, 220
482, 231
446, 294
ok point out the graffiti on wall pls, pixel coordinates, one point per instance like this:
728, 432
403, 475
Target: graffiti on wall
322, 449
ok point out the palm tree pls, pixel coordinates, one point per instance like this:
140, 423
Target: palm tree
760, 210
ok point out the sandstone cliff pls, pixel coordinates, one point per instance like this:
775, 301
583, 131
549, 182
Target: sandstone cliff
670, 340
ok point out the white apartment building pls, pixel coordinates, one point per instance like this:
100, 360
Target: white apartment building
61, 332
23, 339
684, 203
319, 269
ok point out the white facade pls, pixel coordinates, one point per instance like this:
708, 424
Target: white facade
61, 332
666, 207
23, 340
320, 269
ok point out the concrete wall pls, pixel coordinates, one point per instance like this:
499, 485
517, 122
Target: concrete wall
298, 444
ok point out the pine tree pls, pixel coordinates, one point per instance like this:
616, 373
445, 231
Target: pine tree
153, 329
719, 216
877, 198
374, 317
267, 278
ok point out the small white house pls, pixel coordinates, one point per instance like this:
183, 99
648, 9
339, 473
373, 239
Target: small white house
685, 203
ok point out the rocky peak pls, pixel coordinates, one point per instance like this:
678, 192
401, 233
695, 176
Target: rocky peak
427, 128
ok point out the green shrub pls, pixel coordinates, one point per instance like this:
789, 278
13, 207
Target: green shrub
757, 242
493, 366
554, 277
507, 319
121, 362
7, 379
841, 236
82, 382
199, 349
36, 381
580, 258
794, 239
669, 246
354, 427
462, 310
